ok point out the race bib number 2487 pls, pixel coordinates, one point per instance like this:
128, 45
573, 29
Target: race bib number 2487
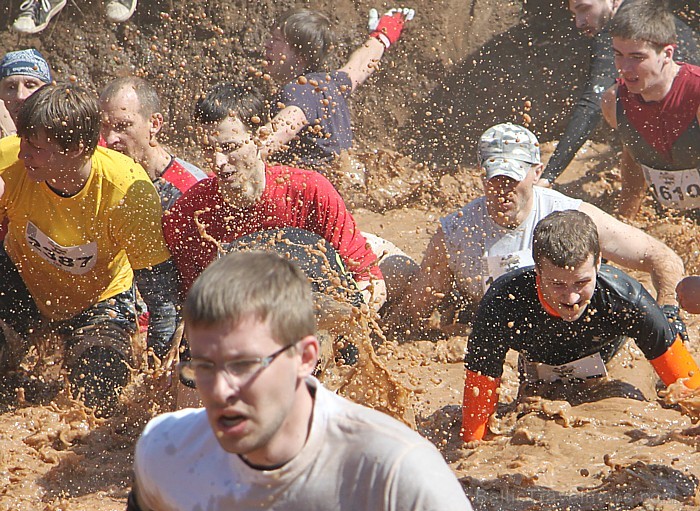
77, 260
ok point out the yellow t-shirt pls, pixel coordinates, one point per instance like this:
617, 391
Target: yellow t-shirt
75, 251
9, 151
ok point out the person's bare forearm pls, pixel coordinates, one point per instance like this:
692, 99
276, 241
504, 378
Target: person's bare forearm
666, 270
364, 61
633, 187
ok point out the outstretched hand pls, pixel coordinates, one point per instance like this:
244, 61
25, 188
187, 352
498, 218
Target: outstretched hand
388, 27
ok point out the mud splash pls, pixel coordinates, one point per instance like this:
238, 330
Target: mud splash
450, 78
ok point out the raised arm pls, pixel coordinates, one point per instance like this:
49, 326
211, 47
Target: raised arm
281, 130
384, 32
364, 61
632, 248
289, 121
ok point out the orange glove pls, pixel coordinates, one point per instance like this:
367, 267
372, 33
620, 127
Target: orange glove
479, 402
677, 363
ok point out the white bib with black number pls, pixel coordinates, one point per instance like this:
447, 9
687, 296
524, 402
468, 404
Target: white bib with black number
677, 189
585, 368
77, 260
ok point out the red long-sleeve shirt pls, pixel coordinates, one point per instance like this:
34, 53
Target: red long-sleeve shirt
292, 198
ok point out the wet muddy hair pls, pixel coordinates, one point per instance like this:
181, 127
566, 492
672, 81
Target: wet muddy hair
225, 99
262, 285
309, 34
645, 20
68, 114
566, 239
145, 92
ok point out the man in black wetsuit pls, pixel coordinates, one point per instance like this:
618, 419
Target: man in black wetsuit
566, 316
592, 18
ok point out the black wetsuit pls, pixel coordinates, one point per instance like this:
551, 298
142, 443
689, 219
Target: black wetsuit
602, 74
511, 316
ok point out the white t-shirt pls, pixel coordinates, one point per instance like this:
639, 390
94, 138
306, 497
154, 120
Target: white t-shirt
355, 458
479, 250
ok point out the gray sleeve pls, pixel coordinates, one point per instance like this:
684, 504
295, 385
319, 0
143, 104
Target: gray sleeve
422, 481
158, 287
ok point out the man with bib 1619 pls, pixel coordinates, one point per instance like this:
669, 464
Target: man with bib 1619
655, 107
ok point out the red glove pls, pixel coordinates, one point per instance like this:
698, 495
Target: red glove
388, 28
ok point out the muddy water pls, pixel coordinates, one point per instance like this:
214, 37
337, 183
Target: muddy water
554, 452
616, 445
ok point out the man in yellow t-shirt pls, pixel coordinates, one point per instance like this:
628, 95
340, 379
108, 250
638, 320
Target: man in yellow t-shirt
84, 224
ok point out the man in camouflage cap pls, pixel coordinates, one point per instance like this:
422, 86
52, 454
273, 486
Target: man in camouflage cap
492, 235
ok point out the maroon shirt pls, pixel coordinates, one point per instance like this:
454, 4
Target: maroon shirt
661, 123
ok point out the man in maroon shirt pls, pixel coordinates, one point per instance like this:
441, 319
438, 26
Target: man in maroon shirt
247, 197
655, 107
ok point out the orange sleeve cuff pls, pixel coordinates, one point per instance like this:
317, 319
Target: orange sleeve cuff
677, 363
479, 402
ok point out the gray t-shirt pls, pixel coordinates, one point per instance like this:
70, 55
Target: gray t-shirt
323, 99
355, 458
479, 250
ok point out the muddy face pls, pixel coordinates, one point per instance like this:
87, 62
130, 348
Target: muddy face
508, 201
568, 290
235, 159
125, 128
645, 69
14, 90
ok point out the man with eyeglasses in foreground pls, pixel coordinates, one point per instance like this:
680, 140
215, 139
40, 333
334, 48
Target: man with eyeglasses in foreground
270, 435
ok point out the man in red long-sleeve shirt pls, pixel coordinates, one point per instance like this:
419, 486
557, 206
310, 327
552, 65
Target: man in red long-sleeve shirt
246, 197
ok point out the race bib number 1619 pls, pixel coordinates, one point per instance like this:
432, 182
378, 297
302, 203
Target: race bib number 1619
76, 260
677, 189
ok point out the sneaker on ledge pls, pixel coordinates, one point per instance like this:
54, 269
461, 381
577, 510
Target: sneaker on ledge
34, 15
118, 11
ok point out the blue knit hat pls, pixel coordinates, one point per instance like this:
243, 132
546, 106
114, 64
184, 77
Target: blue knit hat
25, 62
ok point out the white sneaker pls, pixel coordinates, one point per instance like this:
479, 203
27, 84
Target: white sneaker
118, 11
34, 15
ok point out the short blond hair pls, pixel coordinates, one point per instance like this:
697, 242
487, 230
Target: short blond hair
255, 284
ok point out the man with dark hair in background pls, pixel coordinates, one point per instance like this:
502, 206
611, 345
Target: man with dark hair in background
592, 18
247, 196
311, 123
655, 109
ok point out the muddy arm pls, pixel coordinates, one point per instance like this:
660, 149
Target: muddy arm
281, 130
430, 285
364, 61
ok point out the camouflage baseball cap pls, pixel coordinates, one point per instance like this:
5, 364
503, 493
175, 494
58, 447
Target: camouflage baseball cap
508, 150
